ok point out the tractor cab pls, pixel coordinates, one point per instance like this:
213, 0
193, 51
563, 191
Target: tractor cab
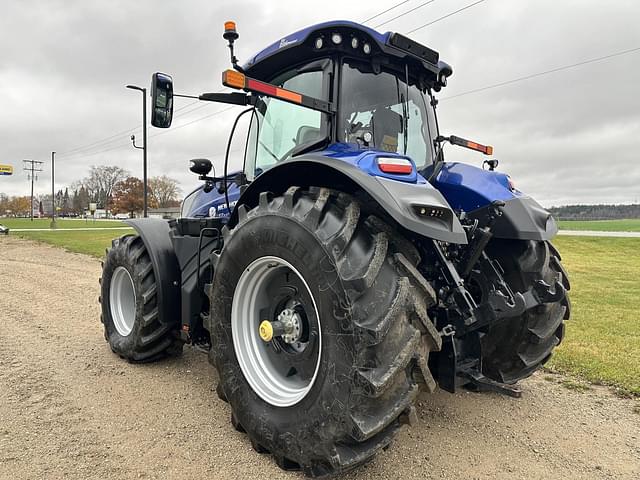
377, 88
336, 83
336, 89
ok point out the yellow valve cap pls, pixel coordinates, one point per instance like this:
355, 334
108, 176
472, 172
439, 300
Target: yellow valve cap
266, 331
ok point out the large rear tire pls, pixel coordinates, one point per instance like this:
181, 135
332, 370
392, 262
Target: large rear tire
364, 307
515, 348
130, 304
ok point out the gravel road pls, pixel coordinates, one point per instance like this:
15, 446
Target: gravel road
69, 408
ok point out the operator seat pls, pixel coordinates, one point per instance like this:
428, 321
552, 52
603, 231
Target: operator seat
307, 134
387, 126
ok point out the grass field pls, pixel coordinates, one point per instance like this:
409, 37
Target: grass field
630, 225
602, 344
61, 223
92, 242
89, 242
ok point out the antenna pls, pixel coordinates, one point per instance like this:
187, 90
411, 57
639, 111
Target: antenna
231, 35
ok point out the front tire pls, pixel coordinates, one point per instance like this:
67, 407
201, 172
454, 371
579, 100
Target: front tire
130, 304
515, 348
365, 305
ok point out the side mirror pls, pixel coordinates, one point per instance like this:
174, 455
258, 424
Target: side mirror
161, 100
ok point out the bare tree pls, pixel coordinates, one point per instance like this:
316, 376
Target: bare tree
163, 191
101, 180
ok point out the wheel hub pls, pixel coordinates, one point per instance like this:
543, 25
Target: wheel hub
276, 331
288, 327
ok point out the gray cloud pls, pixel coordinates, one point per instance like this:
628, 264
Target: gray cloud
566, 137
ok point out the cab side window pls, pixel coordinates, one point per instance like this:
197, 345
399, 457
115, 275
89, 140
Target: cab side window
279, 127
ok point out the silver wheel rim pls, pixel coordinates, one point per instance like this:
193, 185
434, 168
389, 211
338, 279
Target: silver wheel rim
122, 300
250, 296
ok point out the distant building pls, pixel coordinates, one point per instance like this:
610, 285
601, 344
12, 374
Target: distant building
99, 213
167, 212
46, 206
35, 208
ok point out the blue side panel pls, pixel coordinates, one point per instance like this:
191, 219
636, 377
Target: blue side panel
213, 204
468, 188
365, 159
465, 187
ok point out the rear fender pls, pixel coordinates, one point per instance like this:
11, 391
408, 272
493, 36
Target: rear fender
401, 201
155, 235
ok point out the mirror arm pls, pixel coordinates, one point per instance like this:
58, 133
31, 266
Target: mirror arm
185, 96
231, 98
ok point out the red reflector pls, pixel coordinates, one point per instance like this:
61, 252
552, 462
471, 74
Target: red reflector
399, 166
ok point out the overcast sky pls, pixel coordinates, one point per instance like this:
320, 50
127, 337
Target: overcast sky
568, 137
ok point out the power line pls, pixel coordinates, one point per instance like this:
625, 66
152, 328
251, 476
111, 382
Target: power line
116, 137
385, 11
185, 106
194, 121
91, 154
86, 149
202, 105
97, 142
117, 147
405, 13
445, 16
539, 74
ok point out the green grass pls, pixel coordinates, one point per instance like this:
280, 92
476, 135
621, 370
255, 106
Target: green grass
602, 344
61, 223
630, 225
89, 242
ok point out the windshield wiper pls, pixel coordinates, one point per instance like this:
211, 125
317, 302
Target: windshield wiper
405, 123
268, 150
405, 107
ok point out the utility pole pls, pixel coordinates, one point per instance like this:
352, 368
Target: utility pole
144, 146
53, 191
33, 167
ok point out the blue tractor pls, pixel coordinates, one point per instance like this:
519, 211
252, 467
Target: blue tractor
347, 266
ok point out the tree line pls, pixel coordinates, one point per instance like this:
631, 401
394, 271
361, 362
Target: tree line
111, 188
596, 212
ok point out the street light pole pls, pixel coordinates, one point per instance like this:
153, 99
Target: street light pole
144, 146
53, 191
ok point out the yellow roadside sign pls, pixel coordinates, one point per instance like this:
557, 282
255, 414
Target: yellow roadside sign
6, 169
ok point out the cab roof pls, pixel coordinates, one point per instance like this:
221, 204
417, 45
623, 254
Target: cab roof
319, 40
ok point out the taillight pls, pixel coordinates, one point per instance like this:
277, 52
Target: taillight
394, 165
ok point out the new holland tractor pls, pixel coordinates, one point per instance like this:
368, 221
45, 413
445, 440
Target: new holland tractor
347, 266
